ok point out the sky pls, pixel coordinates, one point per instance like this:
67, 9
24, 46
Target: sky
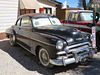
71, 3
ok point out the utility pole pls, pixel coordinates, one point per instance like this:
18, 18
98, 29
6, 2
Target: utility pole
95, 5
94, 11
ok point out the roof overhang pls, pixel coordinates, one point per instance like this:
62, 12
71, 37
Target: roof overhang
75, 11
29, 4
56, 2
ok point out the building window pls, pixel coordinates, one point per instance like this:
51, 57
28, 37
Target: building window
48, 10
45, 11
25, 11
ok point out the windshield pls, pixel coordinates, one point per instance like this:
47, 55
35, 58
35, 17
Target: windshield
55, 21
87, 16
45, 21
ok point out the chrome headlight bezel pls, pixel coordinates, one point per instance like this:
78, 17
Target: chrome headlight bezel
60, 44
87, 36
91, 37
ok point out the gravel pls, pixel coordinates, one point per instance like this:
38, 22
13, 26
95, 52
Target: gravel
18, 61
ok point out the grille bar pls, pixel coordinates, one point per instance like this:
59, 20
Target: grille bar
76, 45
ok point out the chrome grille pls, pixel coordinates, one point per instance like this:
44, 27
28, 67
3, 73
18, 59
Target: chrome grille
77, 47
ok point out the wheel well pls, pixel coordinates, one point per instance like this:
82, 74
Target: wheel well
37, 49
14, 32
7, 36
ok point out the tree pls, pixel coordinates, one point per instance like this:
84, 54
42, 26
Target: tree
82, 4
89, 5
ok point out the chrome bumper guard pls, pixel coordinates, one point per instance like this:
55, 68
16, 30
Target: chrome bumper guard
81, 52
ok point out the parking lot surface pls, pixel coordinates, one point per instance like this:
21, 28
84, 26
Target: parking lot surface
18, 61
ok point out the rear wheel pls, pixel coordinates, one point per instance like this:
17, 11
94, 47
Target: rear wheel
44, 58
12, 40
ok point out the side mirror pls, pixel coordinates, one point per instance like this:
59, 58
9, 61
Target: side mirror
90, 25
97, 17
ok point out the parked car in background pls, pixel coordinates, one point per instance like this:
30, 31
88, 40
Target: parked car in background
44, 36
80, 19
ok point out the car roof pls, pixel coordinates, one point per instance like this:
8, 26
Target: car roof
36, 15
75, 11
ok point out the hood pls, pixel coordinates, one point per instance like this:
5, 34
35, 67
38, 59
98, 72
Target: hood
66, 33
98, 23
86, 22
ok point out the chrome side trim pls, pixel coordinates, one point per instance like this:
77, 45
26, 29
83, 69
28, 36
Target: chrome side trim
41, 42
25, 48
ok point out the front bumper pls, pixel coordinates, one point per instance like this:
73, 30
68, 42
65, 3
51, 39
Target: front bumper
74, 54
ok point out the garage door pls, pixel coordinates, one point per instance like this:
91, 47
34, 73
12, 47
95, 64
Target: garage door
8, 13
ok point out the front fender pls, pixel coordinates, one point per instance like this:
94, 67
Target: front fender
46, 41
9, 32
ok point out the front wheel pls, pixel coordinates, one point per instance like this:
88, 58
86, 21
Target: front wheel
12, 40
44, 58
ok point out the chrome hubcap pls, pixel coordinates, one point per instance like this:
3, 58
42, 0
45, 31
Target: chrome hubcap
44, 57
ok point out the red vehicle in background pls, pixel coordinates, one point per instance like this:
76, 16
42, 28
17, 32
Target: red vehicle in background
80, 19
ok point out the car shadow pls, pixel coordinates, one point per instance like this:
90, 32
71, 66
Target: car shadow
30, 62
93, 69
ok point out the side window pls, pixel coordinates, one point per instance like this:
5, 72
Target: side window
72, 17
26, 22
75, 16
18, 22
79, 18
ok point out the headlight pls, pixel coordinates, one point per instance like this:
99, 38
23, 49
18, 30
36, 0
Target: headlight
59, 44
91, 37
88, 37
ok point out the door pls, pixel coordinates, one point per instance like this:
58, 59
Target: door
23, 31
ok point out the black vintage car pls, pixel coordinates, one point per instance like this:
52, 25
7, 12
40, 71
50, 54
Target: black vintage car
44, 36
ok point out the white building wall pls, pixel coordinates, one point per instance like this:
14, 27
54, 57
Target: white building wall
47, 4
8, 13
